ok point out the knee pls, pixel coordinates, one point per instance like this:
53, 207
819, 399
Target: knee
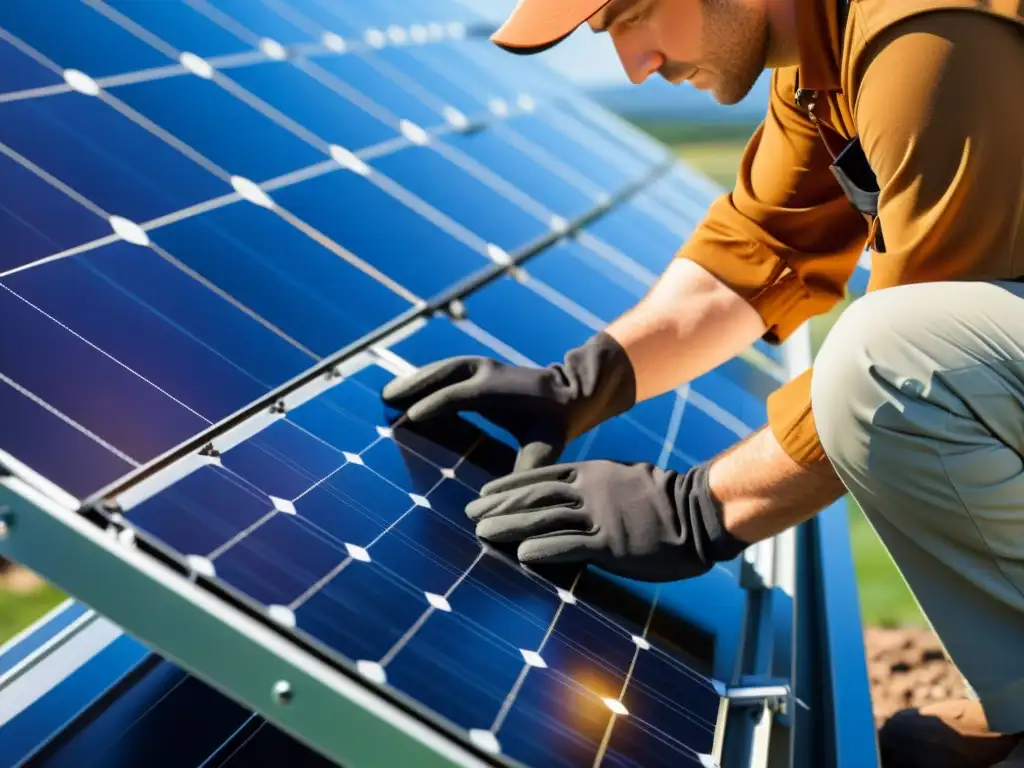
852, 377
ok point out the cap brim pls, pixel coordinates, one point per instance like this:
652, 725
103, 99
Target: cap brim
537, 25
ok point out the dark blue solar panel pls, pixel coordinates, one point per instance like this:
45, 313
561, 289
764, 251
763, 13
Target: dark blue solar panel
84, 39
222, 128
538, 329
749, 377
358, 73
327, 16
731, 395
53, 447
294, 284
466, 199
105, 156
686, 213
450, 63
587, 278
19, 71
639, 236
382, 231
462, 660
331, 513
37, 219
182, 27
421, 80
261, 20
542, 182
166, 699
108, 314
314, 105
162, 323
582, 159
615, 130
108, 399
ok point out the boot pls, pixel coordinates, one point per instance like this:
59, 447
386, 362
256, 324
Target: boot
948, 734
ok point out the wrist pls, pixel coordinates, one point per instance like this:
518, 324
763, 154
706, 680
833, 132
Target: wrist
722, 544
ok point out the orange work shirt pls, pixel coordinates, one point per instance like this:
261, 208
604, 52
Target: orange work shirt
935, 91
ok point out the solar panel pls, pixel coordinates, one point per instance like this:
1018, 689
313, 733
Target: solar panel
229, 224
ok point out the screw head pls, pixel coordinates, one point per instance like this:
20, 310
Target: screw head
281, 692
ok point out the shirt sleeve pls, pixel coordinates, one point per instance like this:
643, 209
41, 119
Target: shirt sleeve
935, 103
785, 238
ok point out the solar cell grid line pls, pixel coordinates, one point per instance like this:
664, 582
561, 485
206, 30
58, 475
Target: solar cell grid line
118, 18
617, 258
407, 199
500, 347
506, 291
445, 73
640, 643
399, 77
672, 221
441, 301
532, 659
372, 673
360, 558
551, 129
439, 220
624, 131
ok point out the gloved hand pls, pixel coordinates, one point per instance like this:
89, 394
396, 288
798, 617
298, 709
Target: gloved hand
543, 408
633, 520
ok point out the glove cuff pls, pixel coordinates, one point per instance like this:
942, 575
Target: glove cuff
600, 383
719, 543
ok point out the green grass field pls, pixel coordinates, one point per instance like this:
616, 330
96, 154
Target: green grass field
715, 151
17, 610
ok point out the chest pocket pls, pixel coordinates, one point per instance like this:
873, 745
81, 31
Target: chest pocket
853, 172
850, 165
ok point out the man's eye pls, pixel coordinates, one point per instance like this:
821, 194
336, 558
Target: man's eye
641, 15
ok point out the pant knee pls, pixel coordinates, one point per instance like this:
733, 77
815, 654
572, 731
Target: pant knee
904, 383
847, 386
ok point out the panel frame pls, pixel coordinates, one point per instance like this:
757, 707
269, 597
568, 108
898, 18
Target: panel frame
334, 713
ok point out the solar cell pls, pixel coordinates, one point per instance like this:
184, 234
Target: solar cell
230, 223
323, 527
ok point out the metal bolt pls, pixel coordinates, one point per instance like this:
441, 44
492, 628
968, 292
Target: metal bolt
457, 309
282, 692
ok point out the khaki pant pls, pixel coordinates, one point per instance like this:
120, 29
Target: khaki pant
918, 397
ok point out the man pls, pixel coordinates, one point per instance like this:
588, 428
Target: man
898, 125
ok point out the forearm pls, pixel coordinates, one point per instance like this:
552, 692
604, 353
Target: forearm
688, 324
762, 491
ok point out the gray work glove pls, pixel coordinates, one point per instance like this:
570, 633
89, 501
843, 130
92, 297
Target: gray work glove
543, 408
633, 520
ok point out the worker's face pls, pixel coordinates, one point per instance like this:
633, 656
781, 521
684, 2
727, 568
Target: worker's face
720, 46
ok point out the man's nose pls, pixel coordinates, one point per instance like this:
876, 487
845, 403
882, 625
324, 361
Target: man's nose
639, 61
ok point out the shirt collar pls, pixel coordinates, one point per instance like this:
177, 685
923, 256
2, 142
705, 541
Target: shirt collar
819, 43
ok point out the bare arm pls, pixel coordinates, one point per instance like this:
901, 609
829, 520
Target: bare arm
688, 324
762, 491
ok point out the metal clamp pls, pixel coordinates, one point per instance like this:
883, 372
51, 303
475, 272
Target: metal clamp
761, 690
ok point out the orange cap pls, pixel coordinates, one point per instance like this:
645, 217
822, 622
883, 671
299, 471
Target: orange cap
536, 25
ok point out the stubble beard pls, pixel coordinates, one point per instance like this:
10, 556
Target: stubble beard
739, 38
